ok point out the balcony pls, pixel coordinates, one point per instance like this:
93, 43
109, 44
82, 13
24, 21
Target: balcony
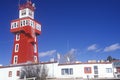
25, 24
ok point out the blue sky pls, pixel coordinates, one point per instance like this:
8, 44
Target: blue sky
90, 28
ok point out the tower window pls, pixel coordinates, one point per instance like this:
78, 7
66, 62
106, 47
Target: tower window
35, 48
31, 23
38, 27
23, 12
35, 58
14, 25
27, 22
30, 13
15, 59
16, 47
24, 22
35, 38
17, 36
21, 24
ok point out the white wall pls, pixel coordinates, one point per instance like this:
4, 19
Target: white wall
4, 73
54, 71
78, 71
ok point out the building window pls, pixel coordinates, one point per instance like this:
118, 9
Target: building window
30, 13
95, 76
23, 12
35, 58
15, 59
35, 38
35, 48
109, 70
27, 22
14, 25
18, 73
87, 70
24, 22
32, 24
67, 71
16, 47
38, 27
17, 36
10, 74
95, 69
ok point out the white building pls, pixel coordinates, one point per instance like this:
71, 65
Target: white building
71, 71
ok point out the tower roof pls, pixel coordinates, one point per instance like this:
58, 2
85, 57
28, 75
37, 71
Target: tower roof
28, 4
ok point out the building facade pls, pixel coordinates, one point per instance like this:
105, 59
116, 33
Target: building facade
70, 71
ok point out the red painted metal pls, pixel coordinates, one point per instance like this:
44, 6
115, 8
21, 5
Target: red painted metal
27, 41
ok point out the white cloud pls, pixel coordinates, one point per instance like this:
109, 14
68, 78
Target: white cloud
112, 47
92, 47
98, 50
47, 53
72, 51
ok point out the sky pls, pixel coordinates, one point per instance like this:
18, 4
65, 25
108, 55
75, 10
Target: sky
90, 29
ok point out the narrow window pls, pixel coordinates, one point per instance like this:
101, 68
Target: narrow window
35, 48
35, 38
16, 47
12, 25
24, 22
33, 25
95, 69
21, 23
15, 25
71, 71
30, 13
35, 58
17, 36
10, 74
15, 59
18, 73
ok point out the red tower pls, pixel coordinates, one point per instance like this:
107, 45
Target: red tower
26, 30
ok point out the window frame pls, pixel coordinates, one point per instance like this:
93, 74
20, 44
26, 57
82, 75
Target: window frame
17, 36
87, 70
10, 74
18, 73
35, 58
16, 47
35, 48
109, 70
67, 71
15, 61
